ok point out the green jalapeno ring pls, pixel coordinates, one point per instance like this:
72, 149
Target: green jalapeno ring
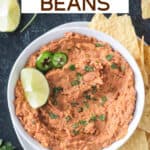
44, 61
59, 59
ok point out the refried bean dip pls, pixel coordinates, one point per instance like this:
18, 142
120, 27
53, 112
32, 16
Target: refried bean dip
92, 97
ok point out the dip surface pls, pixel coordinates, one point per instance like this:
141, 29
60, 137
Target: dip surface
92, 98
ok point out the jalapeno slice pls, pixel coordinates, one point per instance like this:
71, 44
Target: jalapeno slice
44, 62
59, 59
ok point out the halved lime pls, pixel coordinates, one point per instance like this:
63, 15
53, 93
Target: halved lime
35, 86
9, 15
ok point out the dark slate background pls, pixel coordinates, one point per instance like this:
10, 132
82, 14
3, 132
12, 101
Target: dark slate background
12, 44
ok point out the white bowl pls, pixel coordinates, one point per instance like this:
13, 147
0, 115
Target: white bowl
52, 35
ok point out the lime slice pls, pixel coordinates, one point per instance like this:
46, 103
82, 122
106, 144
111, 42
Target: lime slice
35, 86
9, 15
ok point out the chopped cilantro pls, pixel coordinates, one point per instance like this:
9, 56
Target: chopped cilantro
6, 145
75, 125
83, 122
72, 67
54, 101
93, 118
75, 132
80, 109
102, 117
79, 76
104, 98
88, 97
75, 82
68, 118
109, 57
88, 68
114, 66
98, 45
53, 116
57, 90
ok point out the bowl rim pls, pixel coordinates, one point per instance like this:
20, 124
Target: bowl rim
91, 33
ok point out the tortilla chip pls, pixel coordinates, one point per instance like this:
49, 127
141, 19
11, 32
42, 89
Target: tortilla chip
97, 18
142, 50
147, 59
148, 139
138, 141
145, 120
121, 29
113, 16
141, 62
146, 9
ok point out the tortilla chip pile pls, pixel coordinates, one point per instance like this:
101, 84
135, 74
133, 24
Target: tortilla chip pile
122, 29
145, 9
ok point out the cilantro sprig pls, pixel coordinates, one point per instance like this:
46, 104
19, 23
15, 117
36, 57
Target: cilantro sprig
6, 145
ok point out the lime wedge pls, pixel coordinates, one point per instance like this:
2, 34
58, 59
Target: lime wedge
9, 15
35, 86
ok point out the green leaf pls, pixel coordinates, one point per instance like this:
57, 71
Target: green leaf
88, 68
104, 98
114, 66
75, 132
109, 57
88, 97
79, 76
53, 116
75, 82
80, 109
93, 118
54, 101
99, 45
102, 117
7, 146
72, 67
68, 118
75, 125
83, 122
57, 90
